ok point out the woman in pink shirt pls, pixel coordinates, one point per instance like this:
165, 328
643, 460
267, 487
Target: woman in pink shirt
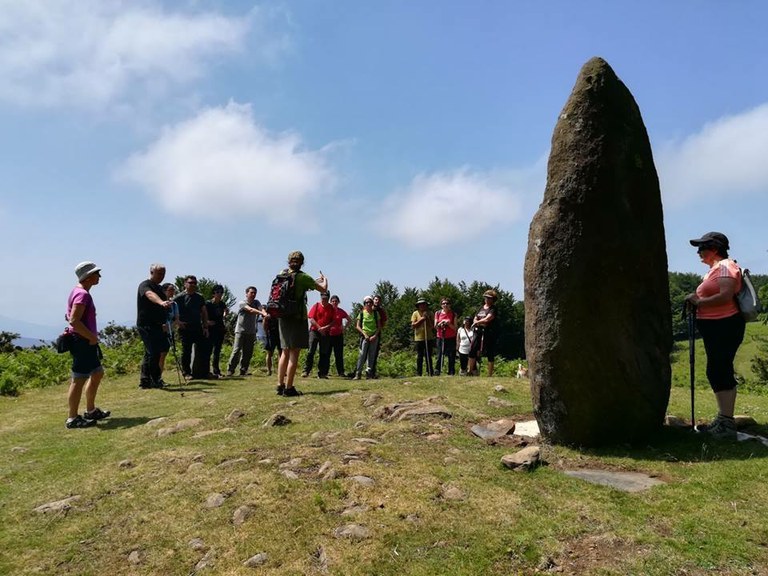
721, 326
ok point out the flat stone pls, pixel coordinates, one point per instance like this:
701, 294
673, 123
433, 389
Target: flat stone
675, 422
624, 481
499, 402
242, 514
494, 430
257, 560
134, 558
327, 465
499, 389
123, 464
197, 544
366, 440
234, 416
452, 493
292, 463
57, 506
156, 421
232, 463
363, 480
352, 532
355, 509
215, 500
522, 460
19, 449
205, 433
290, 474
371, 399
529, 429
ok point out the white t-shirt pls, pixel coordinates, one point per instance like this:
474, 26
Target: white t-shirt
465, 339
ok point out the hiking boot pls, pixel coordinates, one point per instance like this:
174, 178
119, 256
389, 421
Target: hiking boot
79, 422
357, 376
304, 374
323, 376
280, 389
96, 414
722, 428
292, 392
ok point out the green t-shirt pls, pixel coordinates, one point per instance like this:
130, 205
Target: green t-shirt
368, 323
303, 284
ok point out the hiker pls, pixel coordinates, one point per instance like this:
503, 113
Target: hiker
721, 326
87, 370
368, 324
445, 324
172, 321
271, 340
465, 336
217, 329
193, 330
423, 326
248, 311
340, 320
486, 331
152, 307
293, 328
378, 307
320, 318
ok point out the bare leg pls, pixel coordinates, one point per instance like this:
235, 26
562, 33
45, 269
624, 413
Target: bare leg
282, 366
726, 402
74, 394
293, 363
91, 388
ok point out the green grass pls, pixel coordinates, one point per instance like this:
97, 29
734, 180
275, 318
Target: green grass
709, 516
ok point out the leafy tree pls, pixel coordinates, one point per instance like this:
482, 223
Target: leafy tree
205, 288
680, 285
113, 335
6, 341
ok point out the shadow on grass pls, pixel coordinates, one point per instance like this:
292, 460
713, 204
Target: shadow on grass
116, 423
684, 445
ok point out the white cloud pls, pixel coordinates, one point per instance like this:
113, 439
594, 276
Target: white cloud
725, 158
91, 53
448, 207
222, 160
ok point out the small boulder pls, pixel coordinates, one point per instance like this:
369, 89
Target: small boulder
255, 561
523, 460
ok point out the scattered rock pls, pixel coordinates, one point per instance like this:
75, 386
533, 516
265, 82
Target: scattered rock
499, 389
197, 544
352, 531
234, 416
179, 426
19, 449
452, 493
205, 433
292, 463
232, 463
242, 514
195, 466
495, 429
528, 429
412, 409
523, 460
331, 474
366, 440
624, 481
215, 500
354, 509
320, 560
290, 474
198, 457
206, 560
499, 402
363, 481
255, 561
134, 558
355, 455
156, 421
341, 395
371, 399
360, 425
276, 420
123, 464
675, 422
324, 468
57, 506
448, 460
265, 461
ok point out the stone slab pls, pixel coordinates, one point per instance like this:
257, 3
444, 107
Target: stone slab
624, 481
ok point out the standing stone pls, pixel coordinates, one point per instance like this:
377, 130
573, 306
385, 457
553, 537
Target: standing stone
597, 314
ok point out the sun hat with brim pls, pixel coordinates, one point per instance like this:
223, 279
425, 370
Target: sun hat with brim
85, 269
712, 238
420, 301
490, 294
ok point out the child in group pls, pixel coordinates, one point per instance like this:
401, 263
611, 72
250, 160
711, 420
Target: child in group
464, 338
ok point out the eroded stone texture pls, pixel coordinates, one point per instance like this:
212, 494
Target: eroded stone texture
597, 313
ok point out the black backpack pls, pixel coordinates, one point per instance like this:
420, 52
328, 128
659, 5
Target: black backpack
282, 301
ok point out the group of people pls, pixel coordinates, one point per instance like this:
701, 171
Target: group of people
201, 324
473, 340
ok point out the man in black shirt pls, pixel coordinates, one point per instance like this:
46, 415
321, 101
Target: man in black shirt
152, 310
193, 329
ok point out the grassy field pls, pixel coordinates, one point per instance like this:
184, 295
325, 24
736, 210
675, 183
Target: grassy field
440, 502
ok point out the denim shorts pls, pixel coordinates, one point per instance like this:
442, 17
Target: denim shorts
86, 358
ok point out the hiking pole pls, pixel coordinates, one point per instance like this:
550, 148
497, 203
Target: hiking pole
690, 310
426, 345
172, 341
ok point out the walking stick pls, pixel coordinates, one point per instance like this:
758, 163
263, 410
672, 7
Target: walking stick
690, 310
172, 341
426, 345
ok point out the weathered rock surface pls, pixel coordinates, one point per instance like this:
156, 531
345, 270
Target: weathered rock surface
624, 481
410, 410
57, 506
495, 429
523, 460
597, 322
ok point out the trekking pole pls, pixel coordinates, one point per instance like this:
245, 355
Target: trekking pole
172, 340
690, 311
426, 345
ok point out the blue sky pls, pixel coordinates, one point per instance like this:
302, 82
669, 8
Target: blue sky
395, 140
